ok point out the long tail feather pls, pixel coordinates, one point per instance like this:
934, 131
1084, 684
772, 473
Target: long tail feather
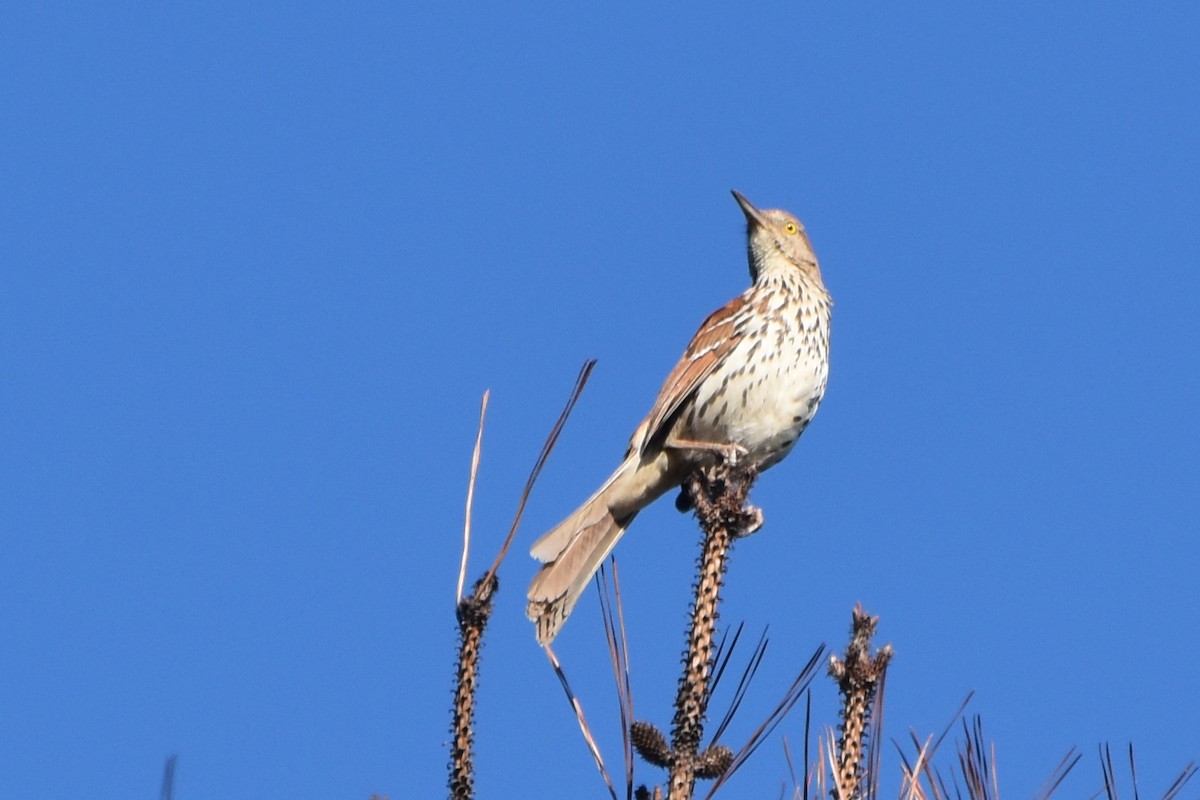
572, 551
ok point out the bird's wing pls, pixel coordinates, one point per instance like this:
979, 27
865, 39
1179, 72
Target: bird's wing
717, 337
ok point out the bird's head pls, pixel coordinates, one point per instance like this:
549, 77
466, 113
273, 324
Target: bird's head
775, 241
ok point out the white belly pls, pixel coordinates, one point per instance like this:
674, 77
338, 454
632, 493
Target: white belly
766, 406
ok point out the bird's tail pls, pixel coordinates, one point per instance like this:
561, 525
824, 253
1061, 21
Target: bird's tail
572, 551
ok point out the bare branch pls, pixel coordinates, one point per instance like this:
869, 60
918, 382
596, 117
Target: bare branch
580, 381
584, 728
462, 569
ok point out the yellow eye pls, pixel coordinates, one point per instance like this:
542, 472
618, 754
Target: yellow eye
791, 228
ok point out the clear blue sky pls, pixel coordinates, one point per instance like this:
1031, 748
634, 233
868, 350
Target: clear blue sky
258, 262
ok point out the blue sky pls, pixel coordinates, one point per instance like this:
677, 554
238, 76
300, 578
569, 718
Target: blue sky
259, 262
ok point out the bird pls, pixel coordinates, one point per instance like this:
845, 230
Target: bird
746, 387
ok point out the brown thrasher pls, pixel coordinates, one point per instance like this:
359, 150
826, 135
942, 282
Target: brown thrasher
748, 384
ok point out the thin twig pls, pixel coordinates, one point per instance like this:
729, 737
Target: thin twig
580, 381
795, 691
618, 655
626, 671
831, 749
462, 569
807, 738
475, 609
739, 693
1133, 773
820, 774
787, 758
168, 781
1056, 777
1186, 775
1110, 775
723, 654
911, 784
584, 728
875, 751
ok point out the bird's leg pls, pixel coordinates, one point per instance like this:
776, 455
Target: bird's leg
716, 475
729, 452
753, 521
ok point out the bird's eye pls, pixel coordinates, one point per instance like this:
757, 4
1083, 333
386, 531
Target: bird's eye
791, 228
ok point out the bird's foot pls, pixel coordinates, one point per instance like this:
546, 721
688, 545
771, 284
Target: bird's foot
732, 453
718, 494
684, 503
751, 522
728, 452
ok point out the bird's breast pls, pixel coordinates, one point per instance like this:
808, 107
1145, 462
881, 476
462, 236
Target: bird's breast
766, 395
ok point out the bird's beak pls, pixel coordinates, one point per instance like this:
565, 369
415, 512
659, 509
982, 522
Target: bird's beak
753, 215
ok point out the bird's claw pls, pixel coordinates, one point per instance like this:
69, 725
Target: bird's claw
751, 522
732, 453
